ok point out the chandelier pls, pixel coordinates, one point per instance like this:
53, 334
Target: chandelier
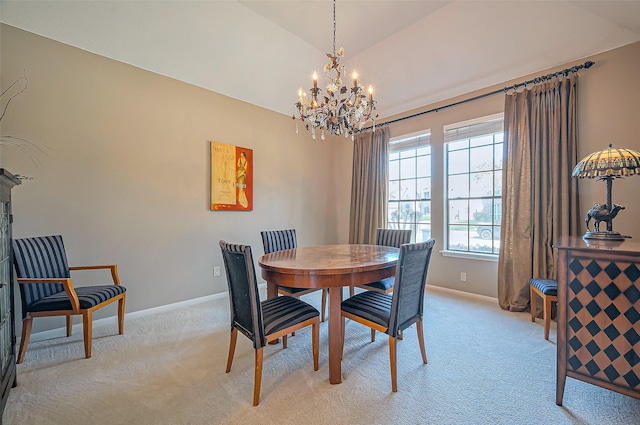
339, 110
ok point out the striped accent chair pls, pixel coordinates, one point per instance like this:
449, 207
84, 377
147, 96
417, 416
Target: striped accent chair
278, 240
46, 288
386, 237
547, 289
393, 313
262, 321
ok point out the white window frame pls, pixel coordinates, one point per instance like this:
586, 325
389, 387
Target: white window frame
400, 144
458, 132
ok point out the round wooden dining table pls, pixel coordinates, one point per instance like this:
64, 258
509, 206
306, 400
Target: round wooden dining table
332, 267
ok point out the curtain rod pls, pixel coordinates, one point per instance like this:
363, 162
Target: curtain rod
537, 80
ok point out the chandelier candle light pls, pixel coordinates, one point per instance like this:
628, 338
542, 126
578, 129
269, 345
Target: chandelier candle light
339, 110
607, 165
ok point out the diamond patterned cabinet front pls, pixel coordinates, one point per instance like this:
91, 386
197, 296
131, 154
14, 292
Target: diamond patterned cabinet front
599, 315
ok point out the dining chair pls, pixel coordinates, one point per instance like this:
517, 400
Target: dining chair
385, 237
262, 321
278, 240
46, 288
392, 313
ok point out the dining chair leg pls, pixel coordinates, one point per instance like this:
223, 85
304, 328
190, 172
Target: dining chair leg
284, 340
87, 327
373, 335
534, 300
315, 342
324, 303
258, 376
69, 324
121, 305
344, 326
232, 348
547, 317
26, 334
392, 361
421, 341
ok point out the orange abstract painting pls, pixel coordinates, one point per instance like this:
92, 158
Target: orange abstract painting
231, 178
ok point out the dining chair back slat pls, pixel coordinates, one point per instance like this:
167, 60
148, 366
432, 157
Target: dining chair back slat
393, 237
278, 240
244, 297
386, 237
407, 303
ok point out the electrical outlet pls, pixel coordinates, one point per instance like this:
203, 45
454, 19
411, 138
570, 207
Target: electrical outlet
463, 277
216, 271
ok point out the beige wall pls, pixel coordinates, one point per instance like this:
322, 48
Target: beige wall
609, 112
609, 99
126, 176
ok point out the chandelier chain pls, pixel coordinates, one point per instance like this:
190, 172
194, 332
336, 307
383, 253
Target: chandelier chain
334, 27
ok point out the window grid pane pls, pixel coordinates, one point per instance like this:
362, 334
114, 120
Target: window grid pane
473, 192
409, 196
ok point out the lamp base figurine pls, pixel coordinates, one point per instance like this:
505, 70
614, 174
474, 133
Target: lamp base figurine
599, 213
605, 236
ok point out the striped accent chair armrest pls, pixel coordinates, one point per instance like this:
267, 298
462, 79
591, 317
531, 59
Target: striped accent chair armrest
46, 288
262, 321
386, 237
278, 240
393, 313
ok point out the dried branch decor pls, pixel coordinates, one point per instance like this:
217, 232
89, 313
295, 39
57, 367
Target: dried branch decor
34, 149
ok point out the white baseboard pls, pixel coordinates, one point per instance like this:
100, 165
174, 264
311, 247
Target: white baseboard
113, 320
459, 293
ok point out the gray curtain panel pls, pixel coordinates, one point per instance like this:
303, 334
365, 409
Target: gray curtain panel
540, 198
369, 185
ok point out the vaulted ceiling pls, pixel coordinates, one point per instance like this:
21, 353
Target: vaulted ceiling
413, 52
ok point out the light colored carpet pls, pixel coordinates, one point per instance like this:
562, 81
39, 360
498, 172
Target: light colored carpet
486, 366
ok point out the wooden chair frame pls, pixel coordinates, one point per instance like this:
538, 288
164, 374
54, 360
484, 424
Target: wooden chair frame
352, 289
546, 310
259, 352
87, 314
393, 350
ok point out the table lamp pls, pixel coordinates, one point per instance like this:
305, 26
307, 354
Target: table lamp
607, 164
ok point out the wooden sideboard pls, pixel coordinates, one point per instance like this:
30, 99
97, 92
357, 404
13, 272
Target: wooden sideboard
7, 325
599, 314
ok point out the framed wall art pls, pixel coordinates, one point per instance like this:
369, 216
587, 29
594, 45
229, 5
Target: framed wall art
231, 178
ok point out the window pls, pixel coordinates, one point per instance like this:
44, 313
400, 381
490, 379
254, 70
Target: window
409, 204
473, 156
